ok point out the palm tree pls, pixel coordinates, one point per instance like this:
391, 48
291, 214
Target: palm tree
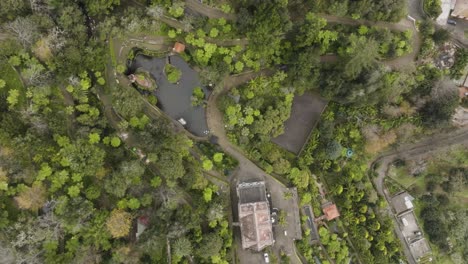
182, 247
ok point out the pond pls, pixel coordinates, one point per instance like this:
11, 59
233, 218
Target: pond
175, 99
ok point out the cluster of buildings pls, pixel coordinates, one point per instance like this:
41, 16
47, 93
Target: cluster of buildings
404, 212
256, 217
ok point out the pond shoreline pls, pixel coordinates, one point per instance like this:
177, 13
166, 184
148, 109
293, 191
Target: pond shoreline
175, 99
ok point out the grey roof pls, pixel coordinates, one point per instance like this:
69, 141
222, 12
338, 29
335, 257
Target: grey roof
402, 202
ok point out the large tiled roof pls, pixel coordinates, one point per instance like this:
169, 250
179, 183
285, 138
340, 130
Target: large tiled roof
254, 216
331, 211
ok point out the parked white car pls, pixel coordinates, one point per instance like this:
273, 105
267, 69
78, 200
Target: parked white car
266, 257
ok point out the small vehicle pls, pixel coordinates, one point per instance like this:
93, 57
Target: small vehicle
266, 257
451, 22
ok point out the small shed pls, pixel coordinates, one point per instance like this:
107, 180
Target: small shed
178, 47
142, 224
330, 211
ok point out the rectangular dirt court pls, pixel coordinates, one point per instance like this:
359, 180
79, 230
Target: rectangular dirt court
305, 113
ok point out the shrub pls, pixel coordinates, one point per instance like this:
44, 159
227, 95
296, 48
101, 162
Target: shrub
433, 7
173, 74
197, 96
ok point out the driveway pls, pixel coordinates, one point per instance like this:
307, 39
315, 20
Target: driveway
415, 9
248, 171
284, 236
458, 31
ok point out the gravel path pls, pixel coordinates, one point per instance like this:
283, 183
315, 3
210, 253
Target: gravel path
207, 10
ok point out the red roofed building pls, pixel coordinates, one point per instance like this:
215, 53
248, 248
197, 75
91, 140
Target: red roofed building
178, 47
142, 224
330, 211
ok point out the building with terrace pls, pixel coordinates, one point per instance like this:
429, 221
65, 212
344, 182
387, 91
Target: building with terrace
254, 216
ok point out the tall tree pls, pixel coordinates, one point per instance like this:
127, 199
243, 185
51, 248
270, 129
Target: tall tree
360, 54
32, 198
182, 247
100, 7
119, 223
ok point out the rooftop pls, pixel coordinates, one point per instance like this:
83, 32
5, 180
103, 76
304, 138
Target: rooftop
255, 225
178, 47
413, 235
402, 202
460, 9
419, 248
331, 211
254, 216
250, 192
142, 224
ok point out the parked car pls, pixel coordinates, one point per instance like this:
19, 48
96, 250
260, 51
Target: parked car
451, 22
266, 257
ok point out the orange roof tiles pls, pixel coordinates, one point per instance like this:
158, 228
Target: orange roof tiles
178, 47
331, 212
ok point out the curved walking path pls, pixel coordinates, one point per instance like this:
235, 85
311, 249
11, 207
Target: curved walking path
396, 63
404, 24
207, 10
216, 123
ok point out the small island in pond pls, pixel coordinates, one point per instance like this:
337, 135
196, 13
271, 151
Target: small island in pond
180, 98
143, 80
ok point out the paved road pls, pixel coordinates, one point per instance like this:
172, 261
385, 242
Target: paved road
249, 171
457, 32
415, 9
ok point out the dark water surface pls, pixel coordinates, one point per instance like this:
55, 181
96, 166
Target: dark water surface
174, 99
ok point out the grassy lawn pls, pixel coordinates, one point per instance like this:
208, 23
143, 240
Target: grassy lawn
439, 164
402, 176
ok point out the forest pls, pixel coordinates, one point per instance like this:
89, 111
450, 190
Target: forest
85, 158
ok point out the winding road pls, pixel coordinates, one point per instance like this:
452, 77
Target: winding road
418, 150
401, 62
215, 117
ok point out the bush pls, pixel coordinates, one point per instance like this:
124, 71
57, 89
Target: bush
173, 74
461, 60
197, 96
433, 7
